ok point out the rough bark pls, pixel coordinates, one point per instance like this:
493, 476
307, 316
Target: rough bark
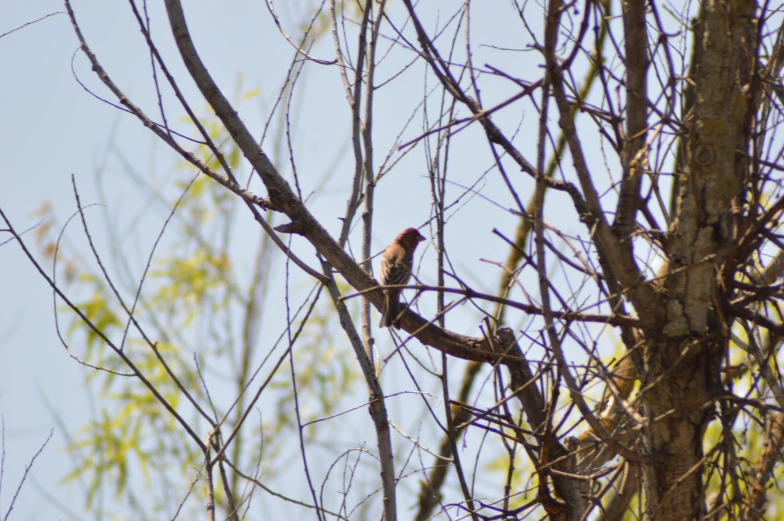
683, 355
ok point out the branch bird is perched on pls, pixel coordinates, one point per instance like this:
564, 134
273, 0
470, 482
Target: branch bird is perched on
396, 270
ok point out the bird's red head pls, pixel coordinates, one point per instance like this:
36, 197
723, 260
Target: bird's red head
410, 237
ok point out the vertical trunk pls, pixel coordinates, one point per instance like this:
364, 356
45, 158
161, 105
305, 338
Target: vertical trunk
683, 356
675, 408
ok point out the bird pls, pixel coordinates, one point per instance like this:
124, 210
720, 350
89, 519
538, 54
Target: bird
396, 270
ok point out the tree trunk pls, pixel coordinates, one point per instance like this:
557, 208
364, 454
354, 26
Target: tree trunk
683, 356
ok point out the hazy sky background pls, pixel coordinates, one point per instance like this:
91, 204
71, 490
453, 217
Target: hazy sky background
52, 129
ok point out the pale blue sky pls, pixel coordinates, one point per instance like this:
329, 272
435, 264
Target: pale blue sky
51, 128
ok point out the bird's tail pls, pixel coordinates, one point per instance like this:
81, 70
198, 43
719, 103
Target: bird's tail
390, 311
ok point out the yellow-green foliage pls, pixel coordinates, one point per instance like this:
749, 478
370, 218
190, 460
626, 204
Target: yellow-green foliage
197, 302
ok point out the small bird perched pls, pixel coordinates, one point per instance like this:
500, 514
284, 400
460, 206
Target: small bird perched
396, 269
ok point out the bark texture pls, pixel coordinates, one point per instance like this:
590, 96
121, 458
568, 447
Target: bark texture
683, 357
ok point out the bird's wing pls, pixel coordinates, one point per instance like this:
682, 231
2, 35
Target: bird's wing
396, 273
